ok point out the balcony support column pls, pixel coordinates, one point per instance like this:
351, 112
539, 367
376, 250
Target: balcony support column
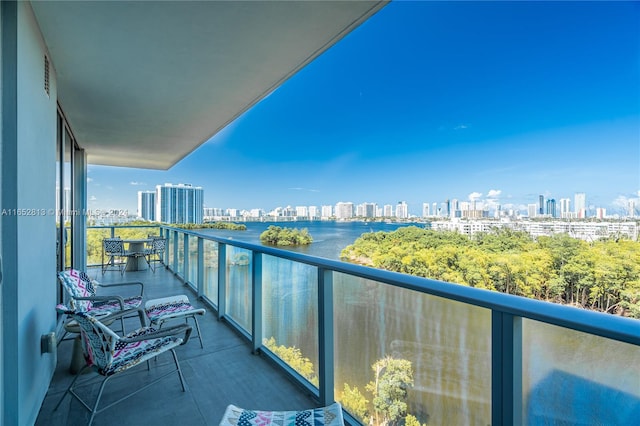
506, 369
325, 336
256, 301
174, 264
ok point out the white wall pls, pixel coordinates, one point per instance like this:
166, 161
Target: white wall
29, 286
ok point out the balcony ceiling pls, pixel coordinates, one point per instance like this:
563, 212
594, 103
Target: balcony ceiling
143, 84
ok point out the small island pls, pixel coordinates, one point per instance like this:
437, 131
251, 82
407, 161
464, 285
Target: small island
277, 236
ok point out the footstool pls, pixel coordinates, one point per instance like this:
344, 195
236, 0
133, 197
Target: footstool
173, 307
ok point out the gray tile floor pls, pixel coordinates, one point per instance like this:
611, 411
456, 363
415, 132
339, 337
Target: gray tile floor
224, 372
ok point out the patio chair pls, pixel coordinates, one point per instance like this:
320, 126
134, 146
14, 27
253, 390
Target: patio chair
108, 354
156, 248
330, 415
113, 250
83, 295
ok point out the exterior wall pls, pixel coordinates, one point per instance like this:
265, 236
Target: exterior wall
28, 240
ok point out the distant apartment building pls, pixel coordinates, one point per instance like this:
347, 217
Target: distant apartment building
551, 208
580, 205
326, 211
425, 210
314, 212
402, 210
344, 210
588, 231
302, 211
147, 205
366, 210
181, 203
565, 208
532, 210
387, 210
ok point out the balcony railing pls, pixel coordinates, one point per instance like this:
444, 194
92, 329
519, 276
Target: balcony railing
478, 357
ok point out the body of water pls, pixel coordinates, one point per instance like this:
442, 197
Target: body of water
329, 237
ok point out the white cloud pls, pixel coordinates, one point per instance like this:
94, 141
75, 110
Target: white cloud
89, 180
92, 198
461, 127
494, 193
304, 189
134, 183
475, 195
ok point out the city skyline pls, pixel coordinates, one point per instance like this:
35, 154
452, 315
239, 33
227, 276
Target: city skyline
498, 101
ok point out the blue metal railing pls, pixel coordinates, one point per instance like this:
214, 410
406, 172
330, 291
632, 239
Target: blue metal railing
507, 313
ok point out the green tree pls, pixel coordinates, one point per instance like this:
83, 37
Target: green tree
294, 358
355, 403
389, 388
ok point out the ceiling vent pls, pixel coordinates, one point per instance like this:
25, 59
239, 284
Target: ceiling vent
46, 74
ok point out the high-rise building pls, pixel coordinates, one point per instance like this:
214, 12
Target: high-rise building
565, 208
387, 210
327, 211
580, 205
532, 210
314, 212
541, 205
425, 209
632, 208
147, 205
302, 211
181, 203
402, 210
344, 210
551, 207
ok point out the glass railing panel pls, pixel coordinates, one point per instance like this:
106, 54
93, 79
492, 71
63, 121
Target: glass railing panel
180, 259
570, 377
94, 245
290, 313
192, 273
210, 258
388, 339
238, 290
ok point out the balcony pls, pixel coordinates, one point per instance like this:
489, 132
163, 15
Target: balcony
477, 357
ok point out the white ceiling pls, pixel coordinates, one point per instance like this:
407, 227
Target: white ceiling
145, 83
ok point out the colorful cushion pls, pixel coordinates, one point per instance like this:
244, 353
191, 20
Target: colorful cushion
170, 307
78, 284
327, 416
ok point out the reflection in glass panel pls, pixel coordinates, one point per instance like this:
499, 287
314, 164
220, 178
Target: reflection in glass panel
210, 257
192, 277
447, 343
238, 291
570, 377
66, 198
290, 313
180, 259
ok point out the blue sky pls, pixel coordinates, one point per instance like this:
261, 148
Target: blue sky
429, 101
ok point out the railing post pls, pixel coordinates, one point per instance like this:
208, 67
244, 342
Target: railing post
174, 266
222, 280
256, 300
325, 336
506, 369
200, 277
185, 258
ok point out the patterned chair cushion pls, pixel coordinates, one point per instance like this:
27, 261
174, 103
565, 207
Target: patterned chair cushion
170, 307
78, 284
327, 416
